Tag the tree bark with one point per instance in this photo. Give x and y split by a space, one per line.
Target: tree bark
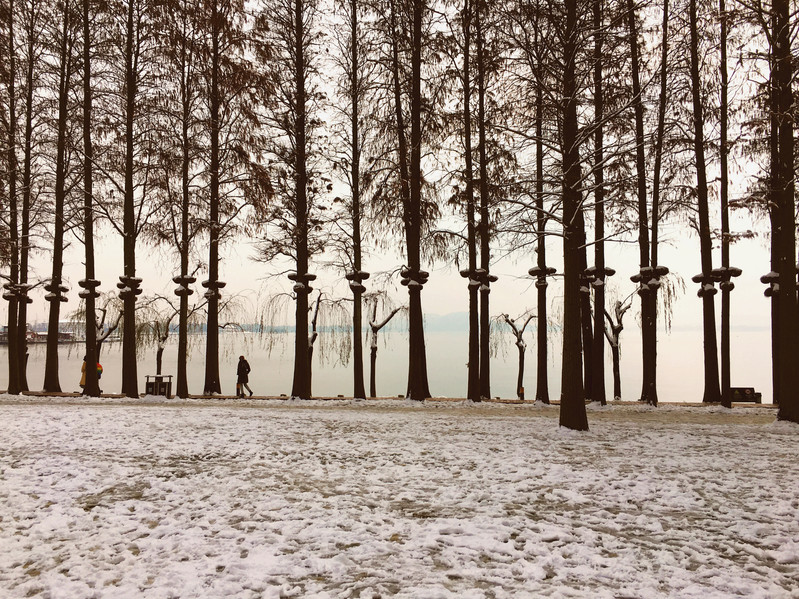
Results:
418 387
646 291
726 394
484 227
375 327
616 356
586 323
572 407
784 193
13 224
774 217
301 385
182 382
212 383
712 392
473 381
51 378
130 385
92 387
651 352
598 350
542 376
27 187
357 289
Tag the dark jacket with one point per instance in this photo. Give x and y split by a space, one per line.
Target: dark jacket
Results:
243 372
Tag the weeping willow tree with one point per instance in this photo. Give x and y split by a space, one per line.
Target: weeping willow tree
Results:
159 317
329 332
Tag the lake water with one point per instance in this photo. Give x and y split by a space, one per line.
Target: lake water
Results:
680 366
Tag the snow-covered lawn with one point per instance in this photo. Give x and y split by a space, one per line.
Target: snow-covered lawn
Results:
357 499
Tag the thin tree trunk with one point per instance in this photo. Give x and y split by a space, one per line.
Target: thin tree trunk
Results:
726 394
473 382
418 387
13 225
27 181
774 148
212 383
484 228
542 378
375 327
92 387
712 391
586 323
373 355
661 129
356 285
55 295
130 386
598 350
182 382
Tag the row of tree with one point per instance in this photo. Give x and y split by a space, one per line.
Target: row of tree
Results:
461 128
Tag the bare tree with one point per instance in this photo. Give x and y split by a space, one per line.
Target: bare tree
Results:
612 331
521 345
376 326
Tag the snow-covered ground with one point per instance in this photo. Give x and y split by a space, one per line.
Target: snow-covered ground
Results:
357 499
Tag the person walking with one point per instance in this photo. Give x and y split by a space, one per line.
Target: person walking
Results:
243 377
83 373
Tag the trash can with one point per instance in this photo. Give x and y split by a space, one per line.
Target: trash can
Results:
158 384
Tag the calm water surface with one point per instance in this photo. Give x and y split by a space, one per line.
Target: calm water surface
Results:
680 366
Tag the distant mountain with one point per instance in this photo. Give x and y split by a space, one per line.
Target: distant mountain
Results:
454 321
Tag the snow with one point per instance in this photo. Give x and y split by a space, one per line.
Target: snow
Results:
209 498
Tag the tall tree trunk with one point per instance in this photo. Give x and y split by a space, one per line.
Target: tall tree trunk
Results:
542 377
27 188
485 225
13 224
586 323
712 391
129 281
414 277
212 383
90 284
783 177
598 350
55 295
572 407
645 277
473 382
726 394
404 178
182 382
658 270
356 285
301 386
774 220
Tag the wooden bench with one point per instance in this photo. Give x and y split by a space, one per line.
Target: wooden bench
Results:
745 395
